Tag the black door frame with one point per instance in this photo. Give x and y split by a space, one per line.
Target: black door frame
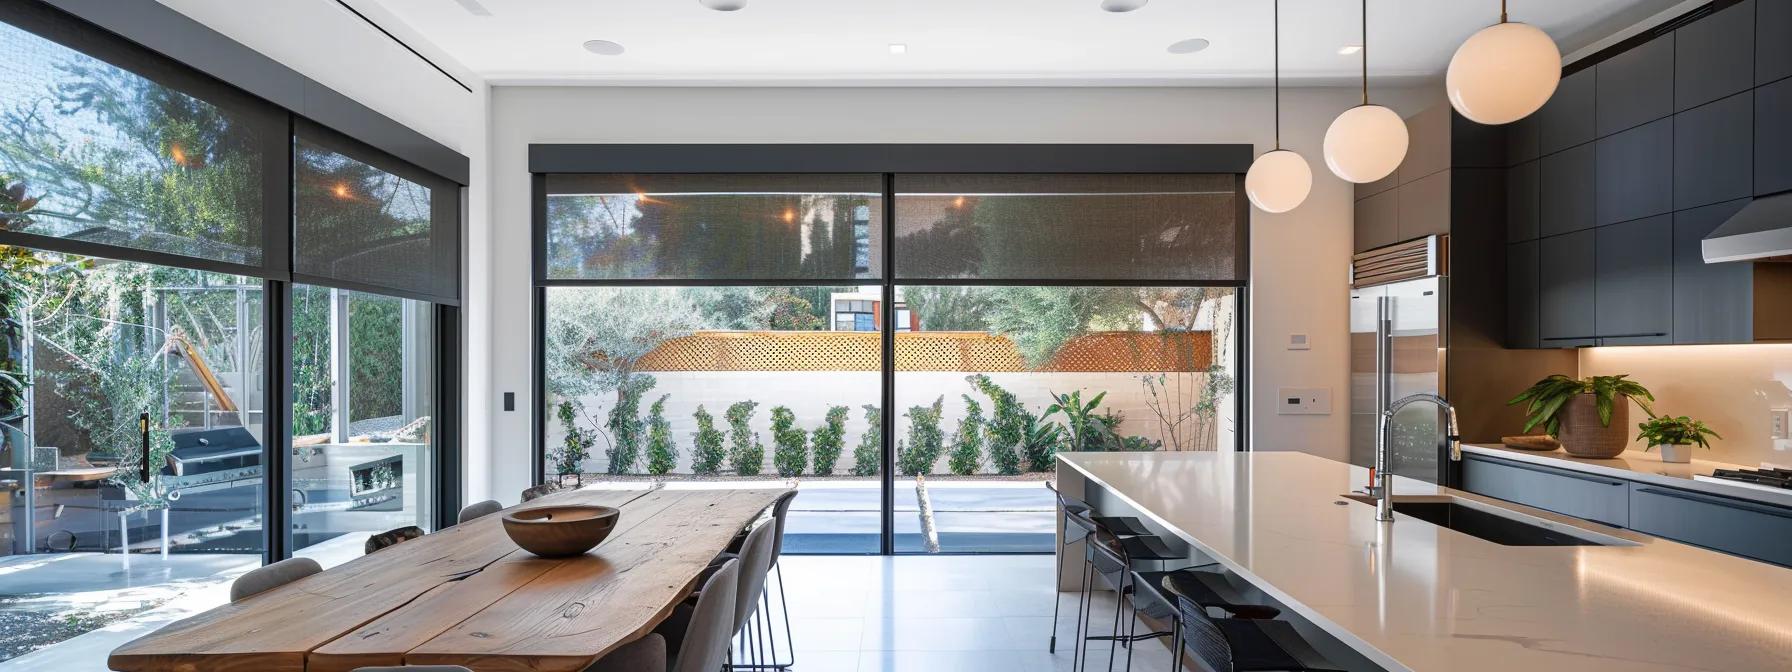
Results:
886 161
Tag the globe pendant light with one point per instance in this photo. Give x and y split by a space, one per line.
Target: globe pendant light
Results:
1279 180
1503 73
1366 142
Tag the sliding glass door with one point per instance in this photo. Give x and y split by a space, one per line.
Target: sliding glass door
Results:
703 329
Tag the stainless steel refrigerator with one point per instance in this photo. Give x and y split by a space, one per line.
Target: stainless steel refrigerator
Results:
1399 308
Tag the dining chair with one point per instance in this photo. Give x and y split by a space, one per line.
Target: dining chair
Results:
1244 645
695 638
478 509
755 564
780 513
647 654
542 490
413 668
272 576
391 538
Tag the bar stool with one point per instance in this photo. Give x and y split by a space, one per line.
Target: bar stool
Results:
1243 645
1078 514
1154 594
1111 557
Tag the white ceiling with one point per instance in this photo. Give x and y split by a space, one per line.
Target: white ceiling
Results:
974 41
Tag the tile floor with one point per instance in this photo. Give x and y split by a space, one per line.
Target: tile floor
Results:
938 614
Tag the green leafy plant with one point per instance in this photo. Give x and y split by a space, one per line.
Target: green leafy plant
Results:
575 448
707 450
1084 429
828 440
662 450
1007 425
915 456
867 456
626 428
745 453
967 443
1039 442
1545 399
790 451
1679 431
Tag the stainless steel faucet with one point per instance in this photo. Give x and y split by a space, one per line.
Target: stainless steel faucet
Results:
1384 476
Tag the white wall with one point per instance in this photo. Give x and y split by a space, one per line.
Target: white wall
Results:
322 40
1300 260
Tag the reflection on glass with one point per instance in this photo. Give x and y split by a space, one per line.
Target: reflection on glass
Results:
736 227
362 418
93 152
131 419
701 385
996 381
359 223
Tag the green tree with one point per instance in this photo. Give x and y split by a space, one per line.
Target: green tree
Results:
626 428
662 450
867 457
967 443
790 452
569 457
745 453
1039 442
790 312
829 440
1007 425
944 308
707 451
916 455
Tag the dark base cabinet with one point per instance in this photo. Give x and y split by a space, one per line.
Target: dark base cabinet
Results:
1734 526
1572 493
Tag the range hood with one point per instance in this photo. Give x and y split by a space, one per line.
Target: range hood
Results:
1762 231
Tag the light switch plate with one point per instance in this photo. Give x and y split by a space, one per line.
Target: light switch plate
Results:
1299 342
1304 401
1780 421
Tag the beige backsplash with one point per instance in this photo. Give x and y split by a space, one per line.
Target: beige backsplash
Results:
1731 387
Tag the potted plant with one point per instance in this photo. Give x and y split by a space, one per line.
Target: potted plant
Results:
1579 412
1675 436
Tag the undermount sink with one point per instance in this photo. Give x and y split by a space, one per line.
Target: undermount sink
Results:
1492 523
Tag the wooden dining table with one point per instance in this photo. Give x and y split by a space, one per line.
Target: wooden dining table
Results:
466 595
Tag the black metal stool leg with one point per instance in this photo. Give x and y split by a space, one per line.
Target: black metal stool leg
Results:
1084 604
1119 602
1053 646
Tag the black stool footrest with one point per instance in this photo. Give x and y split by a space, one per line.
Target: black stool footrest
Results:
1207 589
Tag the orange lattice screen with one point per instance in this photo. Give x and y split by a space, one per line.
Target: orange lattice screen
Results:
1114 351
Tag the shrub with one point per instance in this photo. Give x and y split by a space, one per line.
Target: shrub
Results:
662 450
1039 442
790 452
1007 425
707 451
868 455
828 440
745 452
967 442
576 447
626 428
916 455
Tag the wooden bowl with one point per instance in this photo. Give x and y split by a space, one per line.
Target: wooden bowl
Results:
560 531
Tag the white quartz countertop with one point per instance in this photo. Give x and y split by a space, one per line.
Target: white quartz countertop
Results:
1413 596
1641 466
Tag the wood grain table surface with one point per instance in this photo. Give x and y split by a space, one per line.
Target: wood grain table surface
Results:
466 595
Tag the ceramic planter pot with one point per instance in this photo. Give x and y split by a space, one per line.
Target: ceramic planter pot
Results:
1582 434
1679 453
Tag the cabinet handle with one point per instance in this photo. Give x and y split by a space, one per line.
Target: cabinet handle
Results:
1551 471
1719 501
1588 338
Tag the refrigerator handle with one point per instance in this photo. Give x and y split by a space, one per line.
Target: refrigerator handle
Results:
1384 308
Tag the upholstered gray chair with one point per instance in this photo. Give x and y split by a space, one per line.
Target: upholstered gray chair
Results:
695 638
780 513
390 538
755 564
478 509
542 490
414 668
647 654
272 576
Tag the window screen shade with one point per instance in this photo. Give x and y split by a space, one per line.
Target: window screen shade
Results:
1068 227
129 158
371 228
714 227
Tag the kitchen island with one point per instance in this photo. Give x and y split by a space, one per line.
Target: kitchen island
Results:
1410 595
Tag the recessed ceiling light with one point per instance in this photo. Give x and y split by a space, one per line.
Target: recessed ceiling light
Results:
1349 49
603 47
1189 46
723 5
1122 5
898 48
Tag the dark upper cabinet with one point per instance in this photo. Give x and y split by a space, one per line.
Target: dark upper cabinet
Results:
1634 279
1523 204
1521 295
1567 119
1635 173
1773 136
1377 220
1714 152
1773 51
1635 87
1523 140
1714 57
1713 303
1568 189
1566 295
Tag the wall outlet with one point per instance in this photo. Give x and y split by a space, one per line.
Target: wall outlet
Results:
1299 342
1304 401
1780 423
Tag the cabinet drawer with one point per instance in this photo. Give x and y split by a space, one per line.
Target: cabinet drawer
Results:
1740 527
1595 498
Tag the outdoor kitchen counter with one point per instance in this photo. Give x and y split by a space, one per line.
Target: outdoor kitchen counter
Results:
1409 595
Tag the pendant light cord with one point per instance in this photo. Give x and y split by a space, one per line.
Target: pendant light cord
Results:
1502 11
1366 51
1276 40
